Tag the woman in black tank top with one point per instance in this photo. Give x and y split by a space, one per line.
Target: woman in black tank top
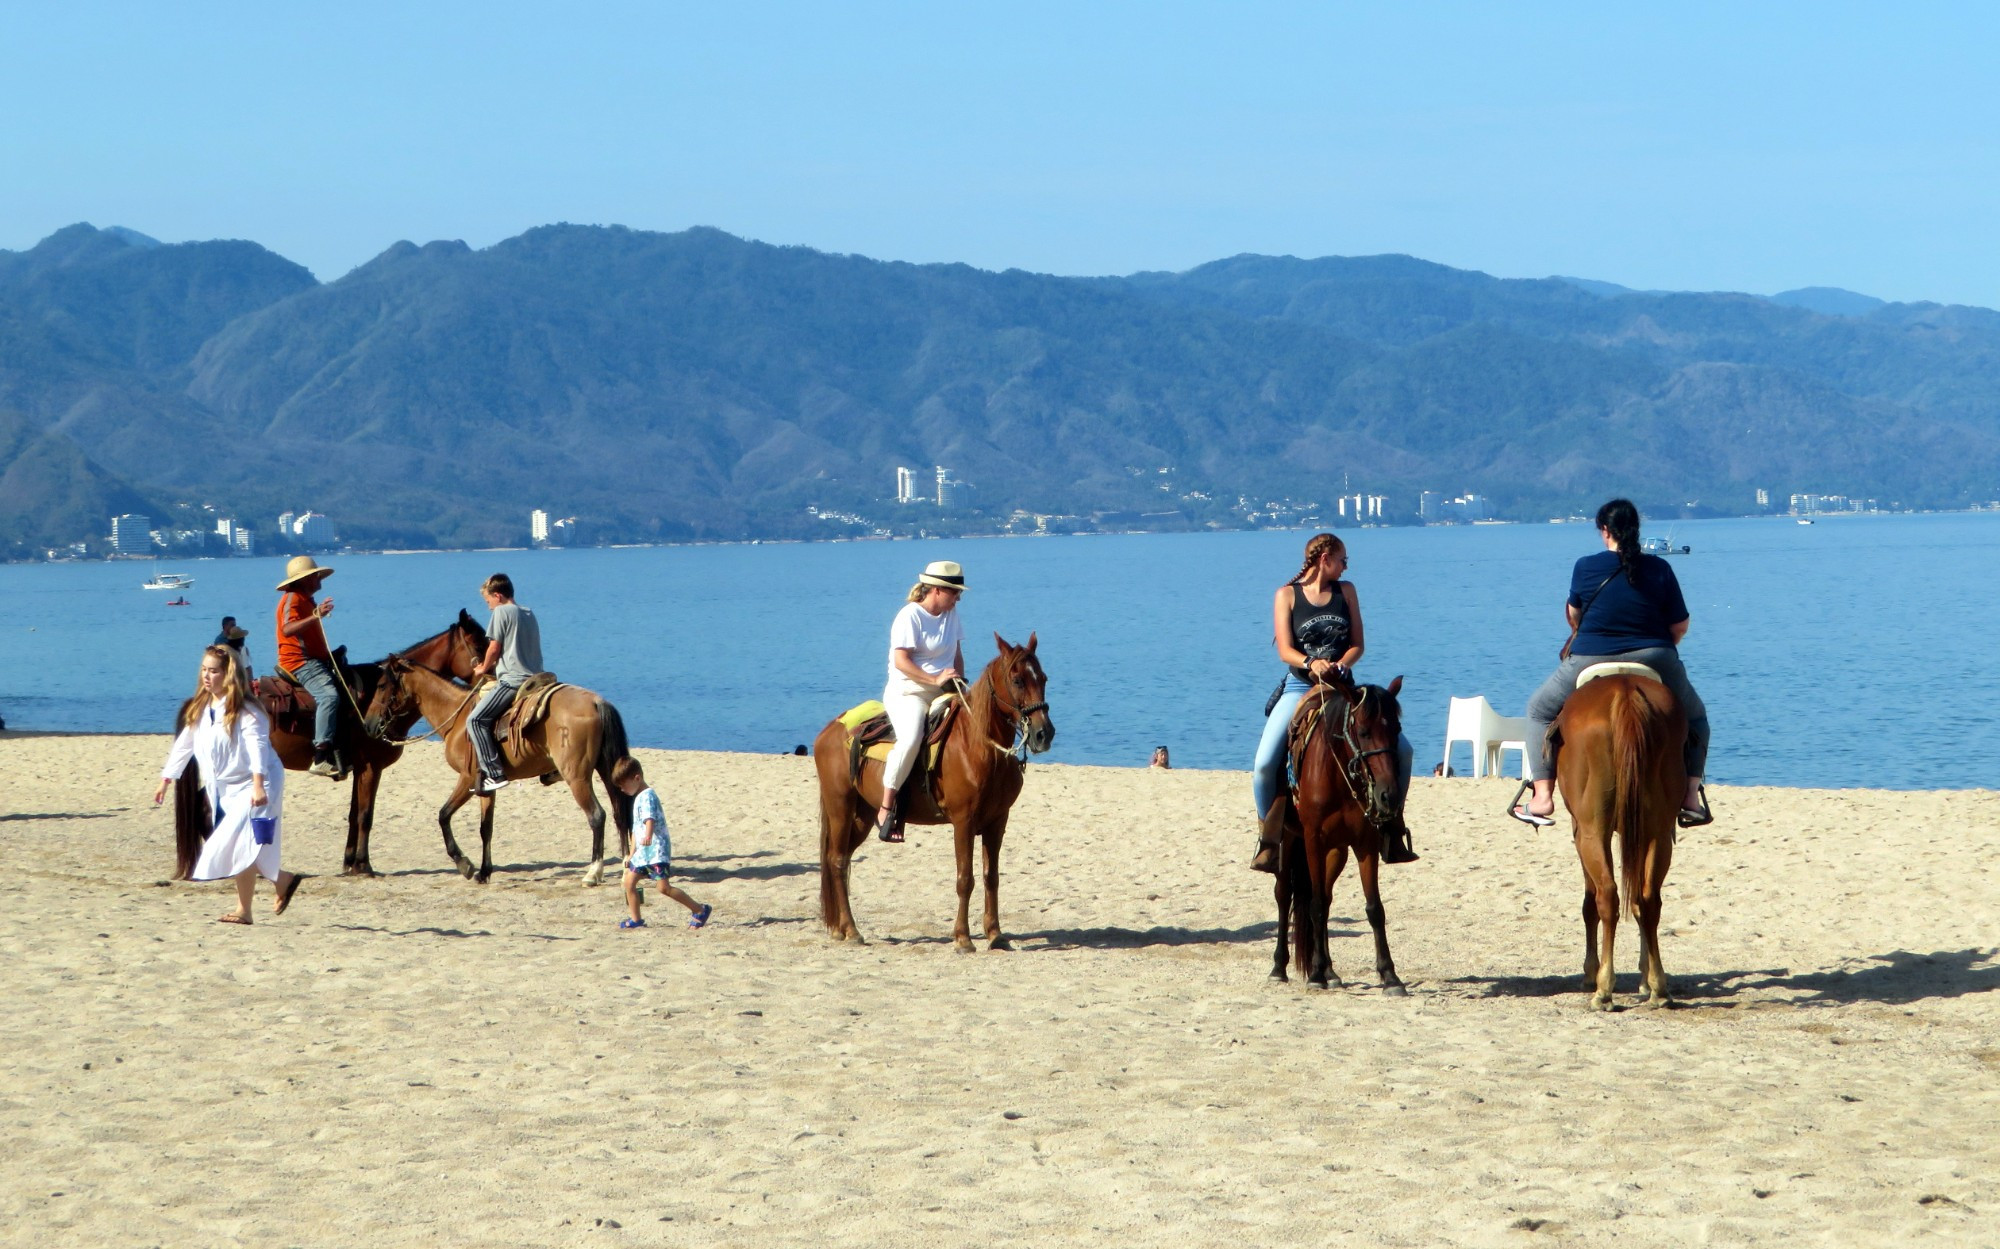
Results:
1316 627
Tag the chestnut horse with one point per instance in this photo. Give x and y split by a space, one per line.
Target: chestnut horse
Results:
1343 744
579 734
978 778
1619 766
456 650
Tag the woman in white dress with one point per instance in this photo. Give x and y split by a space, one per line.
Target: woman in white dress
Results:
225 734
925 660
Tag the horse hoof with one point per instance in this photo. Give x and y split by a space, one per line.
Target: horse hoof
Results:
1317 986
1000 943
1280 976
360 869
1603 1002
964 946
466 869
1395 990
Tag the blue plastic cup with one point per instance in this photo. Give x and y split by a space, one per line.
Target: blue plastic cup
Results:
264 829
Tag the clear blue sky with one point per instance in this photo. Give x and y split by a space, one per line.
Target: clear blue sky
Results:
1730 146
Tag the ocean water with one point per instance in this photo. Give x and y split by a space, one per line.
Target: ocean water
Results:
1855 652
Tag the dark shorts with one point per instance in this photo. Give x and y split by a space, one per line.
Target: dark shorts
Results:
650 871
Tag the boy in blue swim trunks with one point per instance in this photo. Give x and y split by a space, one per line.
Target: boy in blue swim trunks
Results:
652 856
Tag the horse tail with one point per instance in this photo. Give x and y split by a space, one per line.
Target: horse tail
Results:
611 747
1636 736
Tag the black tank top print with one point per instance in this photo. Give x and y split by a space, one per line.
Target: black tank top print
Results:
1321 632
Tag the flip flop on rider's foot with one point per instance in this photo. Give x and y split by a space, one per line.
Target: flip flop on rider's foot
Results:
1521 812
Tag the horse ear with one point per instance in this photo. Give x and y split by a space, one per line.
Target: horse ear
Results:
1394 686
1031 642
1001 642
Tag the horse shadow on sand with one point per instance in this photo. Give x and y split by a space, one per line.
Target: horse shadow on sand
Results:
1898 978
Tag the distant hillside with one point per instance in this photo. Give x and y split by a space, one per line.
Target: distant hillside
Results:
665 386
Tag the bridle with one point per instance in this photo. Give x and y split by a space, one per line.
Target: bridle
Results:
1018 716
1354 768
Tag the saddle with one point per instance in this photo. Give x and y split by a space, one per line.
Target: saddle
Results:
291 704
530 707
1615 668
871 736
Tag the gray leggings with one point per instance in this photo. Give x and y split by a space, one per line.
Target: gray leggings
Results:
1547 703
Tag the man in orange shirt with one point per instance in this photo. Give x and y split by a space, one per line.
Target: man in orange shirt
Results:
304 657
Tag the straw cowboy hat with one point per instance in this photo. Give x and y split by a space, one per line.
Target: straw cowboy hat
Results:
943 572
302 566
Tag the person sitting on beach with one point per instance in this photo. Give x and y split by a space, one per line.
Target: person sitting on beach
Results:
1316 626
926 659
1623 605
652 851
513 654
304 656
225 734
1160 758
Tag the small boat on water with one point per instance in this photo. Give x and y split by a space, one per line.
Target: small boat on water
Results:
1663 546
179 602
169 581
1805 520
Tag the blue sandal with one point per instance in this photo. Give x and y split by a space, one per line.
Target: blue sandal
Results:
631 923
701 917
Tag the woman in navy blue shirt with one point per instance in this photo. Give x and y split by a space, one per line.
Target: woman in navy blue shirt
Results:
1625 605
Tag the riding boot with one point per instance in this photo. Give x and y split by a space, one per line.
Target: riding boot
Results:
1269 837
1396 843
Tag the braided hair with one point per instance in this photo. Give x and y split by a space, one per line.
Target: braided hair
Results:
1319 544
1620 519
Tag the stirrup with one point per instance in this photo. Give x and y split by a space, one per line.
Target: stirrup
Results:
1518 810
1695 817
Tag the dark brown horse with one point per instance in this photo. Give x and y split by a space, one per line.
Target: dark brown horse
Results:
978 778
1343 744
456 650
1619 766
580 734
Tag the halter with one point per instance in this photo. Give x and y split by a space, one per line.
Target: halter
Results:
1353 769
461 641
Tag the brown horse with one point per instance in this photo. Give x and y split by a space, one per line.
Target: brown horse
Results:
1619 767
456 650
977 780
580 734
1343 743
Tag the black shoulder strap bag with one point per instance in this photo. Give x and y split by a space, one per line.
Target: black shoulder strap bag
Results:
1578 626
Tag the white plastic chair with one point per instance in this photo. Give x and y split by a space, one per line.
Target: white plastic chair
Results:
1474 722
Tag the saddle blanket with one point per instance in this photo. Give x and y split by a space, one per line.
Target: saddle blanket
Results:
871 736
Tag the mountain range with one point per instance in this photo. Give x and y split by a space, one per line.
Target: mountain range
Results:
696 385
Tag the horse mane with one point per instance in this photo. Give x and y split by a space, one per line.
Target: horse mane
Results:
979 700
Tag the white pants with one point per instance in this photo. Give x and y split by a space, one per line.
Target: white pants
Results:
909 704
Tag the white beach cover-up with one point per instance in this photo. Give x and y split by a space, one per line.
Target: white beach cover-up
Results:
227 760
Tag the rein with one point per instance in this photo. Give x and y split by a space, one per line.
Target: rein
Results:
1018 749
1356 762
436 730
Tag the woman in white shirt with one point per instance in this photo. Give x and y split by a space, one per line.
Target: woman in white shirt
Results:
225 734
925 660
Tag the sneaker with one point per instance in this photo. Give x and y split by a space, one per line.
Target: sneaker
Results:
701 917
323 766
489 785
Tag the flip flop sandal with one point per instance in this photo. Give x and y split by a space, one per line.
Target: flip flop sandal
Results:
285 894
1695 817
232 919
1519 810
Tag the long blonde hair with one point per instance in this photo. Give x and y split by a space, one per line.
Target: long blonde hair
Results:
235 689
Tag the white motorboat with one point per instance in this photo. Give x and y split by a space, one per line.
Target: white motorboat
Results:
169 581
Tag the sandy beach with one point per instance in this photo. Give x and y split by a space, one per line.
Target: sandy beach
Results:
418 1060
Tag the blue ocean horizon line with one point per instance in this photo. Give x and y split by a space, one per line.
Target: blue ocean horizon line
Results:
1149 639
